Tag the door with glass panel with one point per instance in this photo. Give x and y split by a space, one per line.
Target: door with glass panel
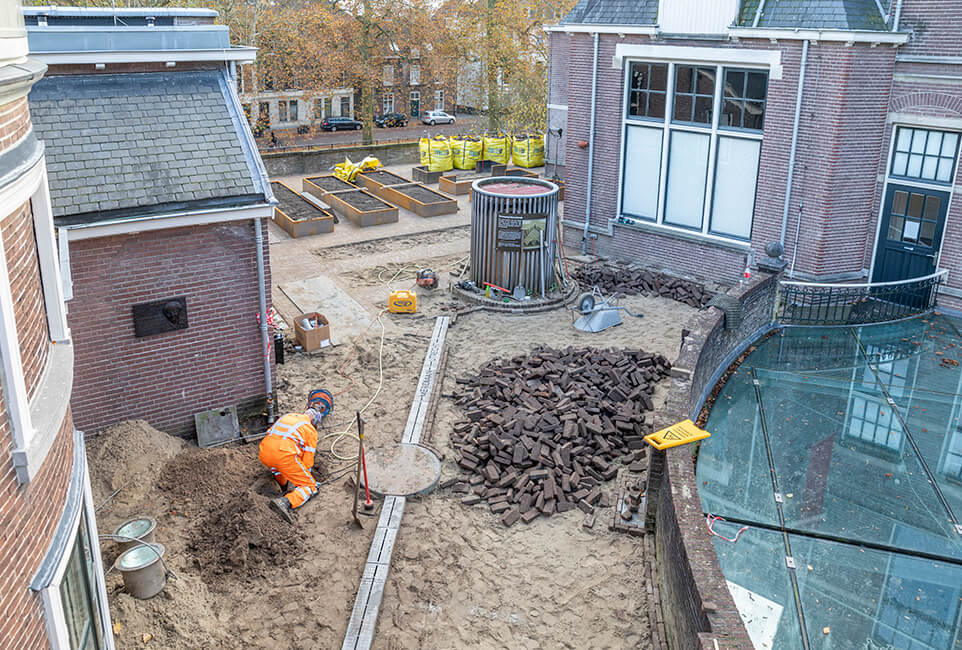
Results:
913 219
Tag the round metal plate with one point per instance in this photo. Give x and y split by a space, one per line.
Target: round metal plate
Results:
402 470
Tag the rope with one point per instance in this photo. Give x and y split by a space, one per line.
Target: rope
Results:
710 520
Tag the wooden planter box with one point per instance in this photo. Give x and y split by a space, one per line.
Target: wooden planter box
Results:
458 184
375 181
419 199
421 174
321 185
520 171
490 168
298 216
374 213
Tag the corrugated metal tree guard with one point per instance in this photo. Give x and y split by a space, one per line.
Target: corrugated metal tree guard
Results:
506 214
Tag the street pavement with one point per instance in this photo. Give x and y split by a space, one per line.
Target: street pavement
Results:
287 138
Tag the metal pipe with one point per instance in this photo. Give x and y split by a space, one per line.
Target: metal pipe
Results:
262 307
758 13
898 16
794 148
591 147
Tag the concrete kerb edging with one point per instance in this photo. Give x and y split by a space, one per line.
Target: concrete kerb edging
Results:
367 603
699 610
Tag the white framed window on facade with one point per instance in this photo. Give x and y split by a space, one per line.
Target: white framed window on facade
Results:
692 145
439 100
924 155
415 74
387 75
387 103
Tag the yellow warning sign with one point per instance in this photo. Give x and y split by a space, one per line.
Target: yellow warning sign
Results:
675 435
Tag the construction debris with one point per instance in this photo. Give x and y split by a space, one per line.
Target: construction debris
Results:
630 281
543 432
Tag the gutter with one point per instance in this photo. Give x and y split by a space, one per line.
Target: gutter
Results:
591 147
242 54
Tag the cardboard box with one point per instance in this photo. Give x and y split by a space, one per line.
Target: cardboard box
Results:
312 339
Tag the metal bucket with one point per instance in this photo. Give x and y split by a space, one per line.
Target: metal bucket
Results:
139 528
144 573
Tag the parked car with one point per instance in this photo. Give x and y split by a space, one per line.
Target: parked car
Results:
339 124
437 117
391 119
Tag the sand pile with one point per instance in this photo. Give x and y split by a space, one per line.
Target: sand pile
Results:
127 457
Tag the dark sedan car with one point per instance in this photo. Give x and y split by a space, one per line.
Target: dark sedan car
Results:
391 119
339 124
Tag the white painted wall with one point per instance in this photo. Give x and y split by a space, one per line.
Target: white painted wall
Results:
696 16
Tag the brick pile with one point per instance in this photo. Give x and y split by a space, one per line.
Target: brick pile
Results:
543 432
615 279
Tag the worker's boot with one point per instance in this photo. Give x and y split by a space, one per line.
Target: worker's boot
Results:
283 508
284 487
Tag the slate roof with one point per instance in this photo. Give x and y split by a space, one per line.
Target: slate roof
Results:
124 144
613 12
815 14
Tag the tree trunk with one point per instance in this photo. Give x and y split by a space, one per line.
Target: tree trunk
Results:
491 72
367 83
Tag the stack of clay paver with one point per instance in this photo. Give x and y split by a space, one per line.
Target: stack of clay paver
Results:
614 279
543 432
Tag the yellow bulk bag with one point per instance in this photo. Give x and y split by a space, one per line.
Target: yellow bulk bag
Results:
346 170
369 163
527 150
465 151
497 148
424 146
440 155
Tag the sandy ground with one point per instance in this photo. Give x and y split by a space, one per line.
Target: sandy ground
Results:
458 577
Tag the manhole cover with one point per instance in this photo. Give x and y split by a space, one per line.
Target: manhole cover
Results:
403 470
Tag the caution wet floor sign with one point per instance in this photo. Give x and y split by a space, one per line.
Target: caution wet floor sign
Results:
677 434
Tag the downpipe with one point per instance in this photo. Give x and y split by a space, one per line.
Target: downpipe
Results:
794 146
591 147
262 307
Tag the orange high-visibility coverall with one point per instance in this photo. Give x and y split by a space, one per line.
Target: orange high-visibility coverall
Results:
288 452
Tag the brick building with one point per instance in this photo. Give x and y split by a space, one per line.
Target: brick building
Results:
161 202
829 126
402 88
51 579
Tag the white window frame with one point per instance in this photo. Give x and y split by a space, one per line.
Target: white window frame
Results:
57 633
30 419
668 126
387 103
387 74
439 100
414 74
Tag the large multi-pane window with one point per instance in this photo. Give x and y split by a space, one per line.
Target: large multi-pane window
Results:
924 155
692 146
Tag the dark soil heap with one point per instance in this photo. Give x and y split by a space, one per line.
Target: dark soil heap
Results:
544 431
616 279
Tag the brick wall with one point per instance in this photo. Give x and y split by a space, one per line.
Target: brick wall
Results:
165 378
697 605
23 268
934 25
28 518
14 122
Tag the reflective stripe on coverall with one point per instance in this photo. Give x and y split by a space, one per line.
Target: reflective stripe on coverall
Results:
288 452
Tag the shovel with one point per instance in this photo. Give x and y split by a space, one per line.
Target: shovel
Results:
519 292
357 478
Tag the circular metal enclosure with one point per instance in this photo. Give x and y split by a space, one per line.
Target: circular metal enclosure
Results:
514 233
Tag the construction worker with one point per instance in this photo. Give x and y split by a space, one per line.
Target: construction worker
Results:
288 452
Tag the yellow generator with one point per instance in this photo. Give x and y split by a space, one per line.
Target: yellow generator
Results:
403 302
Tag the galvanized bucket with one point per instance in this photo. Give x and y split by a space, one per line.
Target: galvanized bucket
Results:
138 528
144 573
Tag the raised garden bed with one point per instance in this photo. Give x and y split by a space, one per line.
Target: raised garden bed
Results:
458 184
298 216
362 207
421 174
320 185
375 181
490 168
520 171
419 199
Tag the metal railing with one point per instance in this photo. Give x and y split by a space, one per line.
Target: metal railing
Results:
811 303
264 146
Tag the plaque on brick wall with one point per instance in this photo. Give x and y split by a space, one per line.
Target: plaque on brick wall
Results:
160 316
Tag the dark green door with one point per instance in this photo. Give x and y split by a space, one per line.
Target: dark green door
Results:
911 233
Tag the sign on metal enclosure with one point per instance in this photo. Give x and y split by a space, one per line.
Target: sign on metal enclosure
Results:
517 232
677 434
